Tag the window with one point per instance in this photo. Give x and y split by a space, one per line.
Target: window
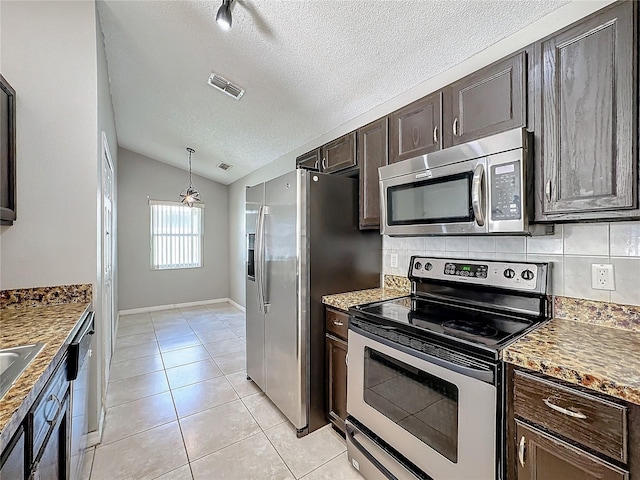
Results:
176 235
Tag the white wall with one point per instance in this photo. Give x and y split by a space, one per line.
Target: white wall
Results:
49 57
545 26
140 178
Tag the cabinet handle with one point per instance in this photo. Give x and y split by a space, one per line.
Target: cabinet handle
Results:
547 190
324 164
456 132
346 359
553 406
317 165
521 451
35 472
338 323
55 417
435 134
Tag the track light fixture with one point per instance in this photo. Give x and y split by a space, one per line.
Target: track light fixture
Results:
223 18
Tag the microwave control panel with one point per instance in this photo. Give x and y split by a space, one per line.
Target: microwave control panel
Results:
506 192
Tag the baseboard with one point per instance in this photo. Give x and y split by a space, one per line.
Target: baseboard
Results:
157 308
95 437
237 305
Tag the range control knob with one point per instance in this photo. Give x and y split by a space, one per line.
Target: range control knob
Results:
417 265
509 273
428 266
527 275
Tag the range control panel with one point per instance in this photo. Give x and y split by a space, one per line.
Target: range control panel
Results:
514 275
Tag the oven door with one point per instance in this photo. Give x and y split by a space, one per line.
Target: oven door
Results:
447 199
434 413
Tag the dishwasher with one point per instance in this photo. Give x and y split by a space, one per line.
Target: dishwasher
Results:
78 374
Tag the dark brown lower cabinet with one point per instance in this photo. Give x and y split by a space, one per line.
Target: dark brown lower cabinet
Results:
53 461
337 380
541 456
12 465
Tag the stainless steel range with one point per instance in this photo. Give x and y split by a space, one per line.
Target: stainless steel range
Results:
425 379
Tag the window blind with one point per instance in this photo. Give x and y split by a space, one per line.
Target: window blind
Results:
177 233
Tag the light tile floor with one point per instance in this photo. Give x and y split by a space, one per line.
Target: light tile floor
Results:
179 407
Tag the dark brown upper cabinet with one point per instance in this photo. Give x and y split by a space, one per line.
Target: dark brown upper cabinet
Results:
416 129
339 154
310 160
488 101
587 119
373 153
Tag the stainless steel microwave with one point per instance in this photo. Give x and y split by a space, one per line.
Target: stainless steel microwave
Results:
480 187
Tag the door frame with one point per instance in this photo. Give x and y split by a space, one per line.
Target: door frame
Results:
110 324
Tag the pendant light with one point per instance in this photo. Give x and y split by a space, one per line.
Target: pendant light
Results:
223 18
189 195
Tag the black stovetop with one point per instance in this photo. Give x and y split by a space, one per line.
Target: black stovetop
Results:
449 324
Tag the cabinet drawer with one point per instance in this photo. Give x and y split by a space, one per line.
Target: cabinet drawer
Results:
591 421
337 323
49 407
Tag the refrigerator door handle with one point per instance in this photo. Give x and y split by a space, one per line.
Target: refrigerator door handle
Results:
260 265
259 253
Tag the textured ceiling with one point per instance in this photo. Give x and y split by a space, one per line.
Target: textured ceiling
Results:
307 67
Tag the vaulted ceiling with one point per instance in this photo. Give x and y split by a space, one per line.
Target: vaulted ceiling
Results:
307 67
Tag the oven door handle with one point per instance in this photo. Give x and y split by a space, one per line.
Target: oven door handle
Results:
484 375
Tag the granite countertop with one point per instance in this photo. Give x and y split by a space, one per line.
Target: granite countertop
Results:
344 301
602 358
53 325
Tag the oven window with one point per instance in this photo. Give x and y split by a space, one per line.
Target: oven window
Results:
446 199
423 404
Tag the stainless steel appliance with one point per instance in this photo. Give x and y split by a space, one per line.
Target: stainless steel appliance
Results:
481 187
303 242
78 374
425 380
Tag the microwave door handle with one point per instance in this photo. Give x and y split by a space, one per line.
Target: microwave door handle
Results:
478 194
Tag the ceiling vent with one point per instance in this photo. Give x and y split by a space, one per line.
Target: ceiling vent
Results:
225 86
224 166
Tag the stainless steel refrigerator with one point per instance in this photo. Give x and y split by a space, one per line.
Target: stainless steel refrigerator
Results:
303 242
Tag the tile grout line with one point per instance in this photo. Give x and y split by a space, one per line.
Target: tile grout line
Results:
320 466
175 409
273 446
170 389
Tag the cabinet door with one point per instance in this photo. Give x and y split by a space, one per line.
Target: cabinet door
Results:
53 463
310 160
373 152
416 129
13 461
588 97
543 457
339 154
337 371
489 101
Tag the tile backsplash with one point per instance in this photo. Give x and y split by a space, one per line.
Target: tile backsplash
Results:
571 249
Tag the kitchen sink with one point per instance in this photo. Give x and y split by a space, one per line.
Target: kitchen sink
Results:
13 361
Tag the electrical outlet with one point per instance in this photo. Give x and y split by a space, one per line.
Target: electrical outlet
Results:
394 260
602 277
